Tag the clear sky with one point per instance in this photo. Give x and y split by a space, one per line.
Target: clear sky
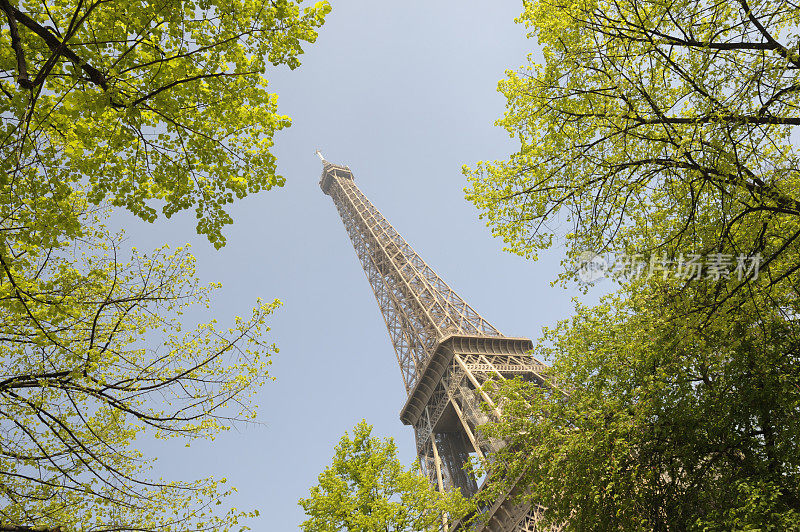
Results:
404 93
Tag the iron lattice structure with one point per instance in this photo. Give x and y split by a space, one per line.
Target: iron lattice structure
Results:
446 351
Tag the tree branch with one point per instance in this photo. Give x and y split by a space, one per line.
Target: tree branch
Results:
58 47
16 45
16 528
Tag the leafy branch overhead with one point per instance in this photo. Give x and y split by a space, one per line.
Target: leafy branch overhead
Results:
658 129
648 108
148 106
155 105
83 375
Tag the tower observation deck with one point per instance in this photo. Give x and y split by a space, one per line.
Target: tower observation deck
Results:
445 349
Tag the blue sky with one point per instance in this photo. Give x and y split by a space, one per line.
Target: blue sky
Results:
404 93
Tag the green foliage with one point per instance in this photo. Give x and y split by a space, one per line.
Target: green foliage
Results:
154 105
367 489
93 354
654 125
657 424
147 106
659 129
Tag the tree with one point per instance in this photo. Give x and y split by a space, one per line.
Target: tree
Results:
653 128
659 132
145 106
94 355
366 488
654 426
150 104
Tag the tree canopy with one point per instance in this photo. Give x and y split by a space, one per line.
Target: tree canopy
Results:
659 133
652 126
367 489
94 354
145 106
149 105
656 426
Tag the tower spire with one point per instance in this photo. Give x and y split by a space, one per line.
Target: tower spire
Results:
446 351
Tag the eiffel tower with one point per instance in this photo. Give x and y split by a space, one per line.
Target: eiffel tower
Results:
445 349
